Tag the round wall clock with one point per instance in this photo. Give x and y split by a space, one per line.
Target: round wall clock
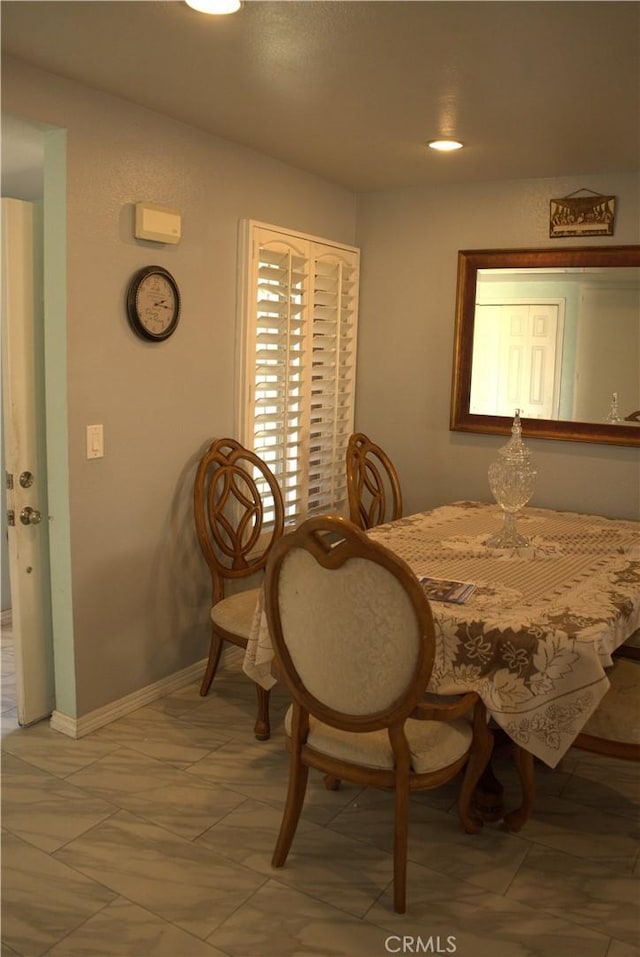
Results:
153 303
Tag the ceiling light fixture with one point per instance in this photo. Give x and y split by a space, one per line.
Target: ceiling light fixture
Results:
445 146
215 7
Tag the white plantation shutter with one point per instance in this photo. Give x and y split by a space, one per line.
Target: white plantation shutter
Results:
300 354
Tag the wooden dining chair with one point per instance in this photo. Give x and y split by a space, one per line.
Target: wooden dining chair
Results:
239 515
373 486
354 638
614 727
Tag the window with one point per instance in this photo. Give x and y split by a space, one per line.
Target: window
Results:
299 362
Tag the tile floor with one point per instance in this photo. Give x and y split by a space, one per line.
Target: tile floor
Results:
152 838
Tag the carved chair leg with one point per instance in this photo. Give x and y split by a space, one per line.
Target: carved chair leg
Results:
262 728
488 798
298 775
212 664
524 761
400 842
477 765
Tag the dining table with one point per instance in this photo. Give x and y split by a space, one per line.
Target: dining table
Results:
536 634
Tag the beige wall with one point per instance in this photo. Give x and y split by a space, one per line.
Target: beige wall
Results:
410 240
140 593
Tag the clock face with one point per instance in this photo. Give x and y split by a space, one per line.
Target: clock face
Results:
153 303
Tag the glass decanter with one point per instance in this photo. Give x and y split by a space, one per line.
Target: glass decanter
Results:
613 414
512 480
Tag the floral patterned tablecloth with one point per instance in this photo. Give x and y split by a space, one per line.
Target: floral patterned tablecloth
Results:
537 633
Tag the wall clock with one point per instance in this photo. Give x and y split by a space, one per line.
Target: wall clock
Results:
153 303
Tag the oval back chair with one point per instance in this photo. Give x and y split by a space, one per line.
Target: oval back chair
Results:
354 639
373 486
239 515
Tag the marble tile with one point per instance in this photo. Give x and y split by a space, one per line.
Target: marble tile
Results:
7 662
619 948
178 702
227 689
52 751
327 866
280 921
260 770
187 810
123 929
248 834
483 924
123 773
43 900
582 891
235 714
8 700
183 883
9 951
489 859
569 826
230 706
233 719
44 810
9 713
605 783
158 735
160 830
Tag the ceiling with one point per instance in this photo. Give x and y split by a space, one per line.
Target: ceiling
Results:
352 91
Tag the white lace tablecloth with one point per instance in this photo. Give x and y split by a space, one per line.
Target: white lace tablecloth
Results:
535 637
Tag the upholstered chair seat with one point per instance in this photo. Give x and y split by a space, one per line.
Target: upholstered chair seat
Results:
432 745
354 639
235 614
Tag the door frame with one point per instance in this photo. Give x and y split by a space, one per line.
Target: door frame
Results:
53 407
57 431
25 457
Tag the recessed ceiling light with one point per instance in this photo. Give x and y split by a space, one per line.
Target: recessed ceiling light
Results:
215 7
445 146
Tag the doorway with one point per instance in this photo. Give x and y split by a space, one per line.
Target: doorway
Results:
34 169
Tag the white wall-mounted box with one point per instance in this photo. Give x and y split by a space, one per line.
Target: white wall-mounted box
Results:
158 223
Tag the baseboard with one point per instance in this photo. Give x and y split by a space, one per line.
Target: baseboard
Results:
78 727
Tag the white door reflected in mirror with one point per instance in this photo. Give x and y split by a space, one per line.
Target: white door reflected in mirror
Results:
517 358
556 343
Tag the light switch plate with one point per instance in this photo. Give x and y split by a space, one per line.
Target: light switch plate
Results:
95 441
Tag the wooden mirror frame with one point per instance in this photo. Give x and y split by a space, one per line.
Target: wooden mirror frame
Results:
469 262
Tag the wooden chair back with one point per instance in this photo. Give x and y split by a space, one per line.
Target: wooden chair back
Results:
238 512
354 640
357 644
373 486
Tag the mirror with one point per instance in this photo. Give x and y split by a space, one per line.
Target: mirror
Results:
554 332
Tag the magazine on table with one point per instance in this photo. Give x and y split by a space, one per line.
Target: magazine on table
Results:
445 589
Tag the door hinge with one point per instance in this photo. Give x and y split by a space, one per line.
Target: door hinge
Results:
9 479
11 517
